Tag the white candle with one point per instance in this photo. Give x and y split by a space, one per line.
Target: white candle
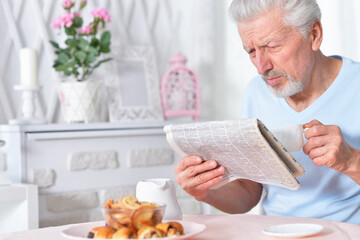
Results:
28 67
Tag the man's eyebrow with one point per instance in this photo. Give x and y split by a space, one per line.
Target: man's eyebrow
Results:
248 49
265 43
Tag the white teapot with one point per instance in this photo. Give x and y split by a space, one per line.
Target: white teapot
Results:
161 190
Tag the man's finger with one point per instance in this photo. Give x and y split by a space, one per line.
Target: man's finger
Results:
312 123
185 162
206 179
194 170
317 152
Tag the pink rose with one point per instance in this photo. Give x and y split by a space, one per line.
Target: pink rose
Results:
57 23
101 13
68 4
86 30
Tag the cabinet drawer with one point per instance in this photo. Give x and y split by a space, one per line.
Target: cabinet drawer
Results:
52 150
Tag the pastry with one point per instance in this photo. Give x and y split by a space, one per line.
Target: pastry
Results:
118 220
109 203
128 202
150 204
125 233
101 232
171 229
149 232
145 216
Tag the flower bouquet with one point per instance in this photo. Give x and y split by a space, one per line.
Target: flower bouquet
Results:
78 58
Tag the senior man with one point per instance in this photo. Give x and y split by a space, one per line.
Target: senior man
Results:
297 84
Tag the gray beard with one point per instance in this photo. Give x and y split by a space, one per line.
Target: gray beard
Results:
293 87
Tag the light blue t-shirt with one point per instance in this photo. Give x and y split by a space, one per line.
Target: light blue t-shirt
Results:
324 193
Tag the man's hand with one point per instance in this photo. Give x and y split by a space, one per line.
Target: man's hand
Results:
326 146
196 176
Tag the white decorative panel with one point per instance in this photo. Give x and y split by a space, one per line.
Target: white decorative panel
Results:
78 161
43 177
166 25
150 157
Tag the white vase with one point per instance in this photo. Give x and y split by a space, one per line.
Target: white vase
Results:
79 101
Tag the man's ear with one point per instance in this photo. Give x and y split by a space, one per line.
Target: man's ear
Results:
316 35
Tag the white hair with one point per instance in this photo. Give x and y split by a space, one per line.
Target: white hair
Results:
300 14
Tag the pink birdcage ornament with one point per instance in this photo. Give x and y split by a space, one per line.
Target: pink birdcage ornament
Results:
180 90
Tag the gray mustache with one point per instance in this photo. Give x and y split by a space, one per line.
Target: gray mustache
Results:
273 74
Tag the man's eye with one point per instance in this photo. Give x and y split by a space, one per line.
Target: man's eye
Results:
251 52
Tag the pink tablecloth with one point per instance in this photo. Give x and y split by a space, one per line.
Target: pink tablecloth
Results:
249 227
223 227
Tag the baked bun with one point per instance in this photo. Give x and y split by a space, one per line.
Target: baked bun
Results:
125 233
150 232
101 232
171 229
145 216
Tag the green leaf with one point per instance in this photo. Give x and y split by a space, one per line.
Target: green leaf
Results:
78 22
70 42
54 44
80 55
83 44
105 38
63 58
60 68
71 64
105 49
94 42
91 58
67 73
101 62
94 51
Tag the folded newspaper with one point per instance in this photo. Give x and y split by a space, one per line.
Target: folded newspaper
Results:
245 147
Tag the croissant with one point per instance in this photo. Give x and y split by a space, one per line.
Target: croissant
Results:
101 232
171 229
125 233
150 232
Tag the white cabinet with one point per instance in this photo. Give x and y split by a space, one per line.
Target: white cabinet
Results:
18 207
78 158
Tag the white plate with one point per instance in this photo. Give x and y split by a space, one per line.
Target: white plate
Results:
293 230
81 231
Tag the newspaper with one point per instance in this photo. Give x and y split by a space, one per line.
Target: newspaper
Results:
241 146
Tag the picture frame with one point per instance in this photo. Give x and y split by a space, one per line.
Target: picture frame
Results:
133 85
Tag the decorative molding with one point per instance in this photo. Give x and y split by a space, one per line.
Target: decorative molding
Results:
43 177
66 202
78 161
150 157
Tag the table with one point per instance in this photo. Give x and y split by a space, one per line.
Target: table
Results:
226 227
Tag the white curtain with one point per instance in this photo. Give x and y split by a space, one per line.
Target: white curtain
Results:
341 26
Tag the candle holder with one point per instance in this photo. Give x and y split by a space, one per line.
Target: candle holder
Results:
29 95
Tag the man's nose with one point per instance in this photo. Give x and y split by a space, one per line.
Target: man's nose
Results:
263 62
